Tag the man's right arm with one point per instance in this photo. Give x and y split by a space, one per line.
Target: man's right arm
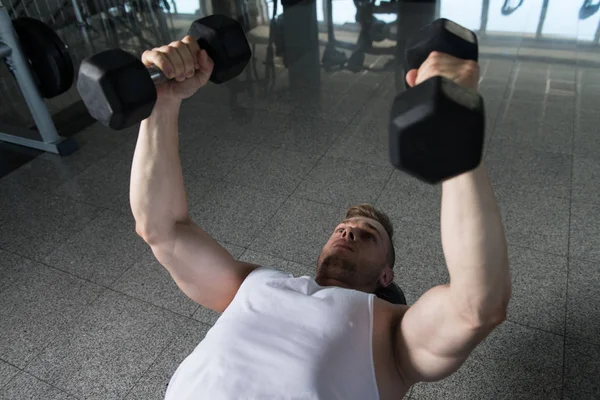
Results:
199 265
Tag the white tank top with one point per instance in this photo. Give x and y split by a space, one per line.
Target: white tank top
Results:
284 338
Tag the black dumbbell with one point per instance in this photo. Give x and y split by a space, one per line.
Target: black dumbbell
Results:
436 128
119 91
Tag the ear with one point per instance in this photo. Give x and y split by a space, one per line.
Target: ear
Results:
387 277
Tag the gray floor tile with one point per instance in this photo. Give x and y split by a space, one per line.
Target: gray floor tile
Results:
538 290
211 99
48 171
37 307
13 200
211 157
12 267
106 351
586 179
235 251
101 184
344 81
420 263
122 205
493 91
376 112
585 231
196 186
530 125
253 126
102 251
343 182
298 231
234 213
562 73
39 223
272 170
353 145
529 91
206 315
306 134
340 106
557 129
27 387
408 199
7 372
587 140
196 115
583 306
148 280
533 221
588 85
499 69
46 174
514 167
153 384
589 97
514 362
582 368
346 108
277 263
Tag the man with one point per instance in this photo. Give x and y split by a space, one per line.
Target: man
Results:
285 337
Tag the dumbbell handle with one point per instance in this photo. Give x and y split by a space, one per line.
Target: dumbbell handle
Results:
157 76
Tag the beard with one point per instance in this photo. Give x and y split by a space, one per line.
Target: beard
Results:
334 266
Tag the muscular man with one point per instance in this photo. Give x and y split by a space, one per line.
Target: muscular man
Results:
285 337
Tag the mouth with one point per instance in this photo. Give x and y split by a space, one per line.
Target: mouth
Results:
343 246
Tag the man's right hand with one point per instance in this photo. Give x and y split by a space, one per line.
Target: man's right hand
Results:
188 67
463 72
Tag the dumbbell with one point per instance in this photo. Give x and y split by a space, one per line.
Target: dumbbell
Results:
436 128
119 91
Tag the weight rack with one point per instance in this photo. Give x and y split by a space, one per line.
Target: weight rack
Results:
46 137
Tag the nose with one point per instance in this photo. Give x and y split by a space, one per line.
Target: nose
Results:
348 233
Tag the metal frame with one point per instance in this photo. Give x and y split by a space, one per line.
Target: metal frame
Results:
50 141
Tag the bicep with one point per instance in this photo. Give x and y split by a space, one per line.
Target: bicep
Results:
434 339
203 269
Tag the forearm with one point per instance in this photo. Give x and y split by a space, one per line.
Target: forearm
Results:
474 244
157 192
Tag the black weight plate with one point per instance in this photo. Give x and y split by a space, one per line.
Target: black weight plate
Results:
48 56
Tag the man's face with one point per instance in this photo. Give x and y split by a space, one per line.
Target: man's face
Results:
356 256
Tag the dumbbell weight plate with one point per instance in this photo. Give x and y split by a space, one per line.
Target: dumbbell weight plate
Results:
230 51
444 36
49 59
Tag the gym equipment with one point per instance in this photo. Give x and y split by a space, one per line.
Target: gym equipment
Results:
588 9
508 9
27 66
333 59
356 61
392 294
436 128
119 91
48 56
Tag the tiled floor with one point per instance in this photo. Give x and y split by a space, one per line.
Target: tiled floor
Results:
87 313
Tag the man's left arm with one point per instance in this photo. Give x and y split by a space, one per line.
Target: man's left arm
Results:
437 334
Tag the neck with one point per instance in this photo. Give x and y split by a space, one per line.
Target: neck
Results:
326 281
